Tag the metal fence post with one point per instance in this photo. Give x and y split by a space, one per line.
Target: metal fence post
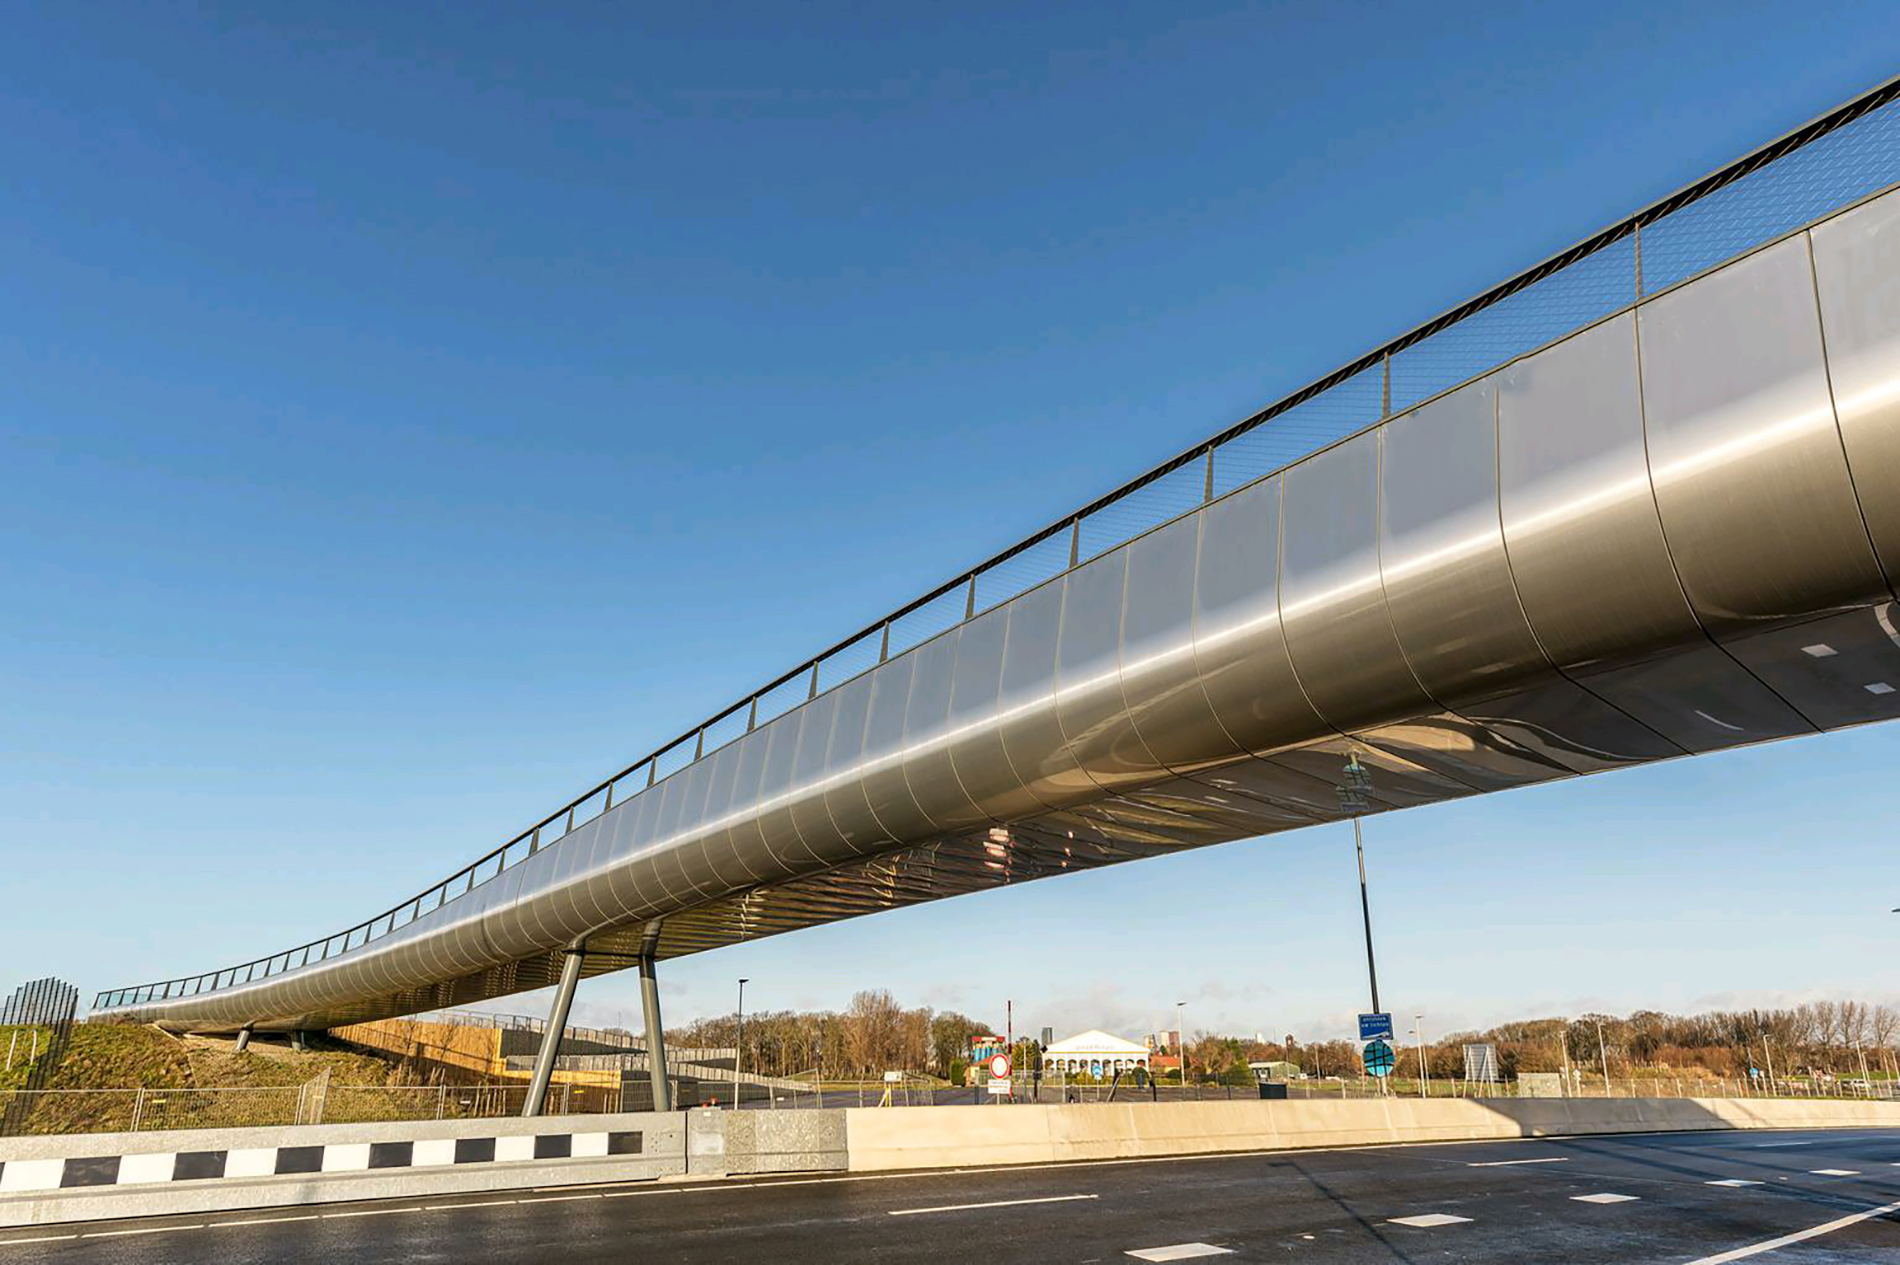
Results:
138 1110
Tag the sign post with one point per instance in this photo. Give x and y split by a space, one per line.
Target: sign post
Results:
999 1068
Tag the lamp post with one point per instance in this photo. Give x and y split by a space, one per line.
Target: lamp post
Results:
1424 1073
1356 781
738 1049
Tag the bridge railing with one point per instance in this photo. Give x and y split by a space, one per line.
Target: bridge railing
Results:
1831 162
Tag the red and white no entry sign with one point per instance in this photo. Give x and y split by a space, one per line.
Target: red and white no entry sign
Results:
999 1067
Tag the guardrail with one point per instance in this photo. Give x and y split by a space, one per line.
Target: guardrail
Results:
1845 155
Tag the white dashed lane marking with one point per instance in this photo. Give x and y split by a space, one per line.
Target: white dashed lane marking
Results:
1178 1252
1815 1232
1732 1181
1835 1172
1554 1159
998 1203
1604 1198
1428 1220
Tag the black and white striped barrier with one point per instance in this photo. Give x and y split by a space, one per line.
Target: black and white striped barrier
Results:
88 1177
22 1176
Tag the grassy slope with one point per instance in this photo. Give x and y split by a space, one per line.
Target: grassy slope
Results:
120 1057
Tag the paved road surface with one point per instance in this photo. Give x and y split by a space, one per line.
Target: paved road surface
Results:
1591 1200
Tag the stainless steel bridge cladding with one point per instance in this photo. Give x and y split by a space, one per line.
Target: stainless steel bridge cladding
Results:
1632 523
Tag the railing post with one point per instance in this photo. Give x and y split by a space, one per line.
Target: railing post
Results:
138 1110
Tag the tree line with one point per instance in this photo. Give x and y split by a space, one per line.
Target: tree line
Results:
874 1034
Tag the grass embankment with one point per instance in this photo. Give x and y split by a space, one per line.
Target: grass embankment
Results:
21 1048
191 1083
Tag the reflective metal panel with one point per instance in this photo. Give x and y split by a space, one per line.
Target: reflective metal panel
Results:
1739 418
809 814
1586 546
1700 699
1088 677
1031 736
782 842
1857 270
721 779
930 741
748 844
1331 600
980 765
883 773
1840 670
1161 682
1567 725
844 791
1441 549
1238 643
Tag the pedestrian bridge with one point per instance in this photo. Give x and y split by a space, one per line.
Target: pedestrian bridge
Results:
1642 501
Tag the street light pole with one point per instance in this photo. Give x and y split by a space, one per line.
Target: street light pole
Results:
1424 1072
738 1049
1353 800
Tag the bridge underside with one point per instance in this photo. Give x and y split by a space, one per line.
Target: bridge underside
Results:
1675 531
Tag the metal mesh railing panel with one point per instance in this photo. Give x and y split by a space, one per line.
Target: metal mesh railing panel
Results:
1305 428
1170 496
1847 164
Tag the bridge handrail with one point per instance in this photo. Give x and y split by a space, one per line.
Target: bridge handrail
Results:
1714 219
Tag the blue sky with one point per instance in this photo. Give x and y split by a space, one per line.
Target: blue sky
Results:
412 414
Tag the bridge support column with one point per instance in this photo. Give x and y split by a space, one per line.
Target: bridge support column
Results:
656 1032
557 1024
244 1038
300 1041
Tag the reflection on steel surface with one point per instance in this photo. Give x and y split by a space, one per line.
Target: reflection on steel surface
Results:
1652 538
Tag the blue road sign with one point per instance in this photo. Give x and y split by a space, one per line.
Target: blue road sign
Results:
1379 1059
1375 1027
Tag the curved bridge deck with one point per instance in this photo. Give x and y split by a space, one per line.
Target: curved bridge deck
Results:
1665 521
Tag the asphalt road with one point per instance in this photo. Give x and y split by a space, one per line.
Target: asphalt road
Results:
1646 1199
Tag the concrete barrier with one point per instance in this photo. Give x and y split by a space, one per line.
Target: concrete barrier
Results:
85 1177
958 1137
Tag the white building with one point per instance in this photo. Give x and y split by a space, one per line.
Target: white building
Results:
1096 1053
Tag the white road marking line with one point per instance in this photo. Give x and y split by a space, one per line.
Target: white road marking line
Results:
219 1225
1755 1249
1553 1159
1427 1220
44 1238
1178 1252
487 1203
998 1203
157 1229
629 1194
368 1212
1732 1181
1835 1172
1604 1198
556 1199
1762 1146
